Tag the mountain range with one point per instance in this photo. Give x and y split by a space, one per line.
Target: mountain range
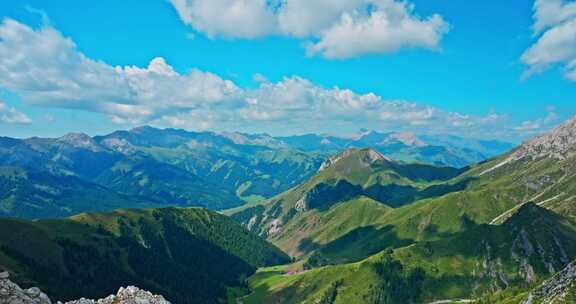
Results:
440 150
303 226
487 232
148 167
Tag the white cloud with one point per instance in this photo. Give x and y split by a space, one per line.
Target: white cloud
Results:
47 69
556 45
228 18
332 28
386 29
10 115
44 68
549 13
305 18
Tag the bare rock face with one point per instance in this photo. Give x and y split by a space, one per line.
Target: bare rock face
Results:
559 143
128 295
10 293
80 140
555 289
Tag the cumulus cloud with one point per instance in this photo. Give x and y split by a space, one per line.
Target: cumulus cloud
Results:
549 13
555 29
10 115
45 68
388 28
332 28
228 18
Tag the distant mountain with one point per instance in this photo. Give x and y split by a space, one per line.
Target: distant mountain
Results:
442 150
148 167
188 255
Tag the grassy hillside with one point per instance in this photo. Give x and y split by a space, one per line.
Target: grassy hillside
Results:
242 164
31 194
188 255
490 197
492 232
483 259
488 193
353 190
165 184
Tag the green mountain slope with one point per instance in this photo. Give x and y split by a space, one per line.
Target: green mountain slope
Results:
30 194
247 165
483 259
347 187
165 184
188 255
507 226
493 192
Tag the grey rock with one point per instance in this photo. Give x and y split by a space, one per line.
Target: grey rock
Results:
33 292
10 293
128 295
554 290
559 143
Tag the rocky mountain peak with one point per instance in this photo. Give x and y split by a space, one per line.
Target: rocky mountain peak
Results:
79 140
560 143
409 139
367 157
118 144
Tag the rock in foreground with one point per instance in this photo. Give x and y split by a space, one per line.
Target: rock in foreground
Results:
11 293
128 295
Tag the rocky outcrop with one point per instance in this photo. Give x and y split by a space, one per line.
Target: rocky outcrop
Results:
555 289
559 143
128 295
11 293
80 140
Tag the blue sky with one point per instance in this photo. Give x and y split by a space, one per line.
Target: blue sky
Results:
474 71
